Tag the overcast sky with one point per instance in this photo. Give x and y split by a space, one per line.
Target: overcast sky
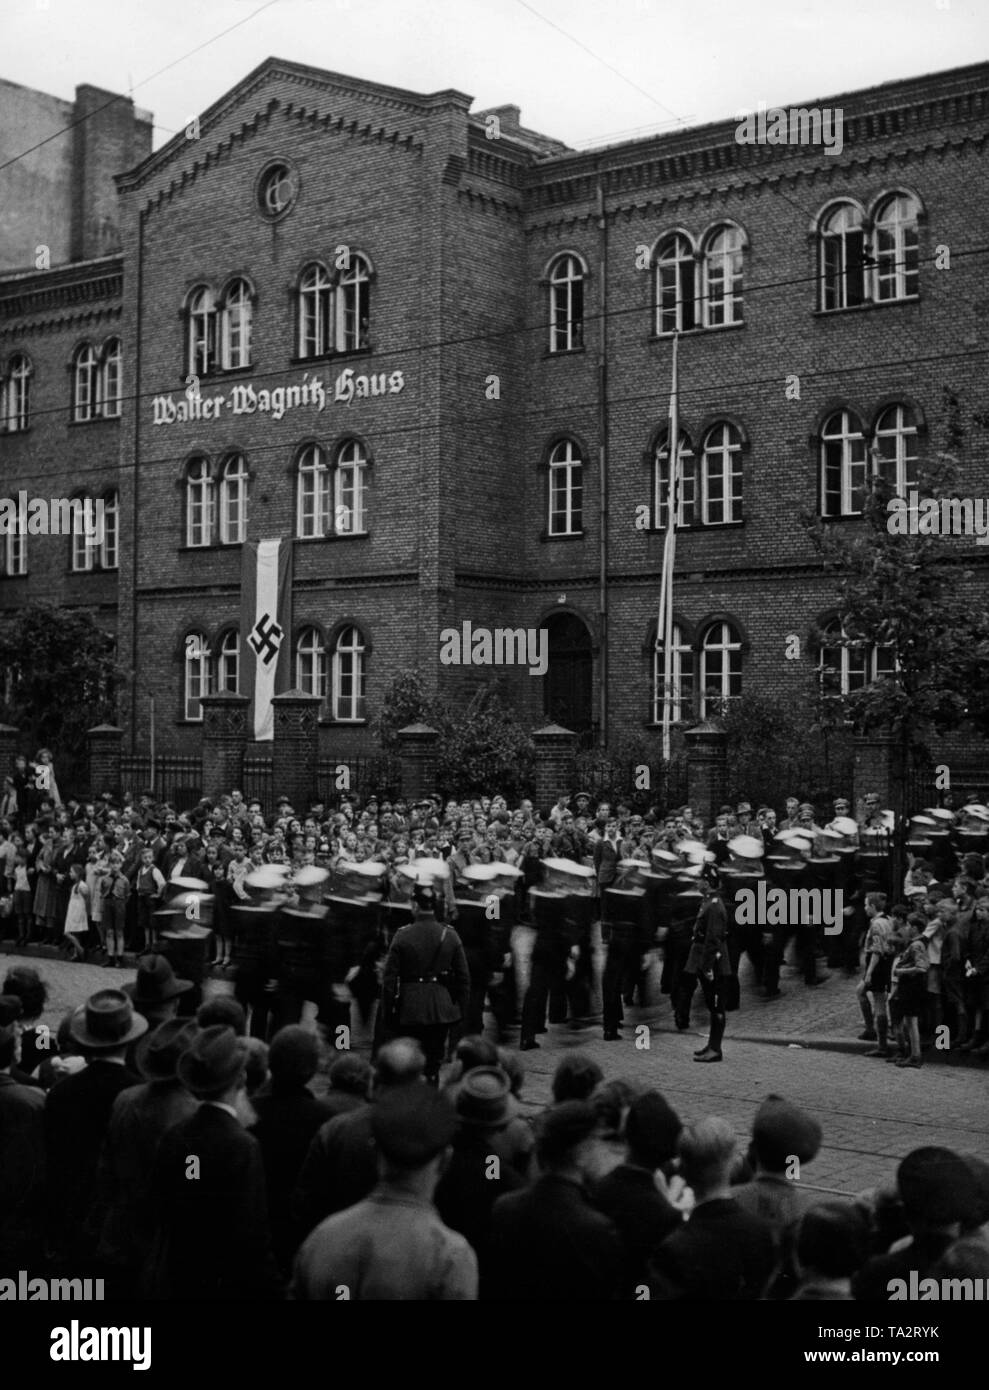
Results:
619 68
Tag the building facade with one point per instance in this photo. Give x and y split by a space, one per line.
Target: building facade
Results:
429 351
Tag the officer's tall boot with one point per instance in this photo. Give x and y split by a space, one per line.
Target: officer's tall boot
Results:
712 1053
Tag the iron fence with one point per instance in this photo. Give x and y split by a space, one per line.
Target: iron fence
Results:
176 778
362 777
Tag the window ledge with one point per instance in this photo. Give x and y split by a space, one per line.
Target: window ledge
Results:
654 337
95 420
333 536
213 545
549 353
563 536
698 527
342 354
869 304
7 433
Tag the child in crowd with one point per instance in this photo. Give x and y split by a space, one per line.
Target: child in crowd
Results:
908 991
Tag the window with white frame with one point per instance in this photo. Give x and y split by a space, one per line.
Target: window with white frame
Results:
198 503
843 258
13 554
895 448
233 500
843 465
196 674
110 544
681 677
310 663
566 304
348 489
314 494
721 668
85 548
201 330
15 394
228 662
721 476
566 489
845 667
896 250
235 326
111 379
85 384
675 269
348 676
687 504
723 277
353 296
315 311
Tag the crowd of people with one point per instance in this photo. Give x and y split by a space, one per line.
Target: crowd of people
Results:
322 1170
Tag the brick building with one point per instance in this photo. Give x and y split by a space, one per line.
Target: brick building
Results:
430 352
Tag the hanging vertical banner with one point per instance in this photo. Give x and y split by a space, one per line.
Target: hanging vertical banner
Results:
266 622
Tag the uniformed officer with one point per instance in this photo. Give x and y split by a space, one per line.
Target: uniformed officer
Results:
426 984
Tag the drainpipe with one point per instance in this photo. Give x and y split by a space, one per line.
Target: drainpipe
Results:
136 472
603 466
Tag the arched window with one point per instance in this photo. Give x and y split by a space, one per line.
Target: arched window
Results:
842 252
313 509
310 663
228 662
111 379
198 503
721 476
85 384
687 508
353 292
15 394
315 311
846 667
109 546
895 448
201 314
233 500
196 655
682 678
721 668
235 326
723 277
348 676
675 284
566 304
566 490
843 465
896 248
348 485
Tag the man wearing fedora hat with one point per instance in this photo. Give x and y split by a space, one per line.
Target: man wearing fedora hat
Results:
212 1240
156 991
77 1115
471 1184
140 1116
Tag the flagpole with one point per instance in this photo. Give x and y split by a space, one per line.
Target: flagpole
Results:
669 553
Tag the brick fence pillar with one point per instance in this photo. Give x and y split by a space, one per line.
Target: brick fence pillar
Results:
296 749
104 743
224 739
707 769
11 744
418 751
555 749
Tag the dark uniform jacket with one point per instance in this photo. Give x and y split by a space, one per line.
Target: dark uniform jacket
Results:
709 949
429 972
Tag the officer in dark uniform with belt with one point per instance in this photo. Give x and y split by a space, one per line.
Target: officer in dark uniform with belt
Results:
426 984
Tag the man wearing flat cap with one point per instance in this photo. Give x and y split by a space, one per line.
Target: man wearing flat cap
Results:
77 1116
212 1240
781 1133
393 1245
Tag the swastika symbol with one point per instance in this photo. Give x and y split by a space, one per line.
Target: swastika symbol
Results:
266 638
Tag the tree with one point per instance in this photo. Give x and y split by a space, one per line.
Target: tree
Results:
406 701
792 746
484 747
901 592
61 678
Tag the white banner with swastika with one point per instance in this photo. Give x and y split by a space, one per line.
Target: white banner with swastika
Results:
266 620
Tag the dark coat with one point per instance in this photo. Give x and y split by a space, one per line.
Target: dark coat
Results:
22 1168
212 1239
549 1243
643 1217
416 951
288 1119
709 949
722 1252
77 1116
466 1193
340 1169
